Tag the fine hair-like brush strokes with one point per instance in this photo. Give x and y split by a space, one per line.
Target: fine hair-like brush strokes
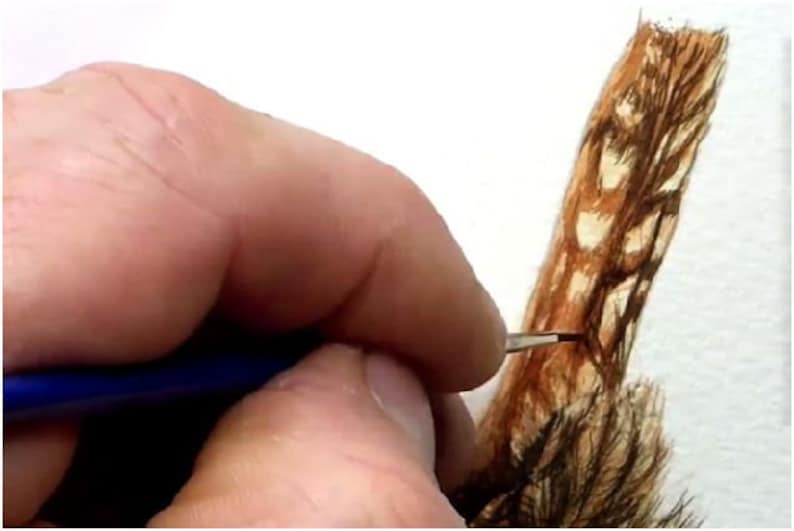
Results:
565 442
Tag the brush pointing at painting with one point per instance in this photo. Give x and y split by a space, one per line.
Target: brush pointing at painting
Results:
142 212
235 364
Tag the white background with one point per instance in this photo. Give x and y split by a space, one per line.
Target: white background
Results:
483 104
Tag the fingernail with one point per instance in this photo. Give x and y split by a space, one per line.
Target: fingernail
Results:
404 400
499 329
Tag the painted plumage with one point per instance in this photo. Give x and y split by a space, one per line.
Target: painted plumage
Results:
566 442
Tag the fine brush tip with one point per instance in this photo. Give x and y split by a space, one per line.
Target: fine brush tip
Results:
568 337
520 342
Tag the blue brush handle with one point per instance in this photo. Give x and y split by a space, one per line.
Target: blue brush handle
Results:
238 368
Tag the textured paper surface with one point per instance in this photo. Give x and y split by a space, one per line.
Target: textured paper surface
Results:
484 106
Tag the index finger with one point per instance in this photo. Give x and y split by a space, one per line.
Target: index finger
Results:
136 202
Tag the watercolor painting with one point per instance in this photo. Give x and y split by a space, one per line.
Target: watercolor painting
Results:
622 173
567 442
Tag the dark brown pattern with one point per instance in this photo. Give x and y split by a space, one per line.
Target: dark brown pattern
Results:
619 215
595 463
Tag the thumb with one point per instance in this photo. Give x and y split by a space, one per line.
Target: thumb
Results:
345 438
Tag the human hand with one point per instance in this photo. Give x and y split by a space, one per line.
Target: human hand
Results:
138 202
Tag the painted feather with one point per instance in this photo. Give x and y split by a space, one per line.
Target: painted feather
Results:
565 442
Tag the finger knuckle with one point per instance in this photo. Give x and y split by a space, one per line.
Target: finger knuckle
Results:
174 104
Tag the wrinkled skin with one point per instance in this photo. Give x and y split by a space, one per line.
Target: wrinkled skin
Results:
137 203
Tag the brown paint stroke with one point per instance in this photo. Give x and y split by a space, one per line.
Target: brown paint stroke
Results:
630 175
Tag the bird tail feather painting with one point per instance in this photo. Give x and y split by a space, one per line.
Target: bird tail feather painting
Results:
566 442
